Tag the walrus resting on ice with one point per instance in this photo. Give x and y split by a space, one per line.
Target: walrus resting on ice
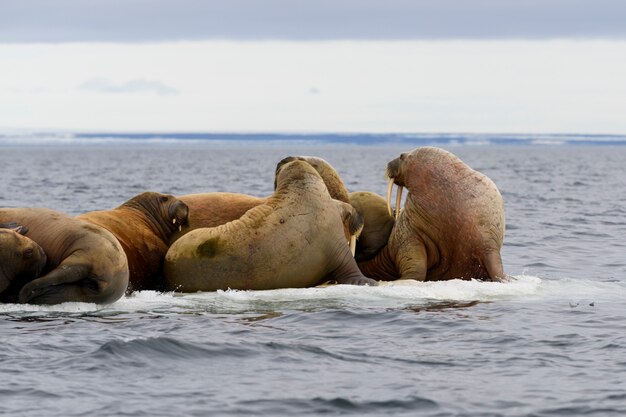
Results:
451 226
217 208
144 226
85 262
21 260
296 238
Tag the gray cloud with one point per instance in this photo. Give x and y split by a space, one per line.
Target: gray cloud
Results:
171 20
103 85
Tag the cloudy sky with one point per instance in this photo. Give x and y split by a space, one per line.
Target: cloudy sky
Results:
314 65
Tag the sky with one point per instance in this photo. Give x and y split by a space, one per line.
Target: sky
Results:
475 66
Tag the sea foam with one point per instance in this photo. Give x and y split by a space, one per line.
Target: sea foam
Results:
389 294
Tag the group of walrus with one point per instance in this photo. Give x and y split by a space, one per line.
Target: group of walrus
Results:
303 235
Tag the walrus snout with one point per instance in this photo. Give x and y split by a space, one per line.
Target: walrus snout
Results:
395 171
180 213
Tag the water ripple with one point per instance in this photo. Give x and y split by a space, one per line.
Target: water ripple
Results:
548 343
166 348
338 405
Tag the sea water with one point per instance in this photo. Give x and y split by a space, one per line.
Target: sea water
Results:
552 342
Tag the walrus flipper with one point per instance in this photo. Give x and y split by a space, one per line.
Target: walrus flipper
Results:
68 282
412 261
357 280
493 264
16 227
348 272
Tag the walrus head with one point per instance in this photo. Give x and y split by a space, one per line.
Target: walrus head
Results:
289 173
378 223
165 212
418 170
395 173
21 259
334 184
353 223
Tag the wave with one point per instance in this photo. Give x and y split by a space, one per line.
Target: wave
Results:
133 350
337 405
396 294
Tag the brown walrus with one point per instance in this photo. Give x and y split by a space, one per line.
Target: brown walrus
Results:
214 209
451 226
143 225
294 239
85 262
21 260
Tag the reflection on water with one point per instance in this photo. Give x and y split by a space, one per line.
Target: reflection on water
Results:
442 306
265 316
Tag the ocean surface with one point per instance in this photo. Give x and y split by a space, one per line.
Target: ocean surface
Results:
552 342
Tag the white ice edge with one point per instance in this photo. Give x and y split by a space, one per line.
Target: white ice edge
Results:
388 294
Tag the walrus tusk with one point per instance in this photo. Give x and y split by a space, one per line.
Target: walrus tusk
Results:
180 227
389 191
174 220
398 200
353 245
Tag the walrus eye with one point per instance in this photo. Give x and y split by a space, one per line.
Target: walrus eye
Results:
28 253
163 199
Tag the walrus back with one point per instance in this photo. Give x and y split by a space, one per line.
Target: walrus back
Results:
271 246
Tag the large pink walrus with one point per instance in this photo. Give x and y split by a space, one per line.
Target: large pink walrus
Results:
295 238
451 226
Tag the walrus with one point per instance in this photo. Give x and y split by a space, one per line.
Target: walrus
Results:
217 208
84 262
377 223
294 239
451 226
21 260
144 226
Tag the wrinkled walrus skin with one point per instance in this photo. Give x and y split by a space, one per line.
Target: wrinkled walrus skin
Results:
451 226
295 238
21 260
85 262
144 226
